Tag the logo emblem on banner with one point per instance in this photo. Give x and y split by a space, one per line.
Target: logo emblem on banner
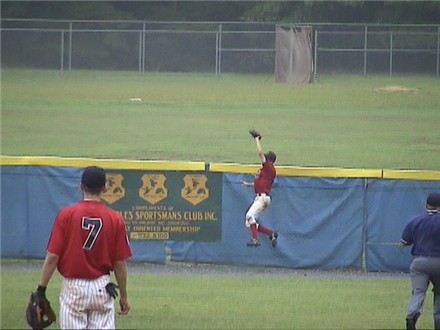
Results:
153 188
195 190
114 190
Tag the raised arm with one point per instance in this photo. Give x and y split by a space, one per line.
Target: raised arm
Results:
260 150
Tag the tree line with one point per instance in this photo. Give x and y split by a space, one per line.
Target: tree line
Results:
392 12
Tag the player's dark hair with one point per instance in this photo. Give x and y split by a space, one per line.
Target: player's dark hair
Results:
94 191
270 156
93 179
433 200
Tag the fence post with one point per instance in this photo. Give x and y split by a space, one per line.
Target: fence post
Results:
438 51
216 53
364 227
62 51
219 71
391 53
365 49
143 47
70 45
140 52
316 55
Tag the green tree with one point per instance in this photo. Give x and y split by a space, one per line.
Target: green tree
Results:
72 10
396 12
186 10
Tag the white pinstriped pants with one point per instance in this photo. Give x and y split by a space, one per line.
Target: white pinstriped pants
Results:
260 204
84 304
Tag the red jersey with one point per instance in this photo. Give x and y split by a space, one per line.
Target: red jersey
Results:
264 179
89 238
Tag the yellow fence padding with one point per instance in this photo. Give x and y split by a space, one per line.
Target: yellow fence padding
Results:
104 163
324 172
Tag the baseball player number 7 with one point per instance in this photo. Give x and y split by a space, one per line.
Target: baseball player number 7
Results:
94 225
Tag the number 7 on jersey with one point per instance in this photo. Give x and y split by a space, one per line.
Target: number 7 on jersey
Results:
94 225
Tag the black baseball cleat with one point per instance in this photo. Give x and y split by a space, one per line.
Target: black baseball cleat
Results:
410 324
274 238
253 243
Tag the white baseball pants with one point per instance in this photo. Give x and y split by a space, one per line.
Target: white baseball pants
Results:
261 203
85 304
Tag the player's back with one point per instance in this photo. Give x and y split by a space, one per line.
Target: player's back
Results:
265 178
426 231
86 237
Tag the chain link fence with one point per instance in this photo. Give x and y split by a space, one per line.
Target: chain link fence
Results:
214 47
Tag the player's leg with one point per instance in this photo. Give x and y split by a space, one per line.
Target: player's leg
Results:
252 215
260 204
436 306
264 204
273 235
102 307
102 317
420 282
73 304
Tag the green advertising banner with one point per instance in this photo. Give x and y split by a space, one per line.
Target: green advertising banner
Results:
168 205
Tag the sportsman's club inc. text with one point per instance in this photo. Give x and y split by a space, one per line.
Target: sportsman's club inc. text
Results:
169 215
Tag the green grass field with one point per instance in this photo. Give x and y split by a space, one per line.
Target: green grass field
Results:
340 121
176 301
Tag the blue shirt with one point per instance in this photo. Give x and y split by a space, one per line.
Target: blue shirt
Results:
423 232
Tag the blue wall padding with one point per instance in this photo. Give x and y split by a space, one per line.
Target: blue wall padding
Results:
391 204
326 223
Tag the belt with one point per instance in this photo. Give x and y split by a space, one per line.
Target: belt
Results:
263 194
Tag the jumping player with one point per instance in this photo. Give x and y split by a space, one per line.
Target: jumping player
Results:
262 187
88 241
423 233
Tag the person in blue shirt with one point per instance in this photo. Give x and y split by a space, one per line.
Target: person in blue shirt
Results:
423 233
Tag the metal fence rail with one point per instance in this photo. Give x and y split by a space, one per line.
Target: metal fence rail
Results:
215 47
421 49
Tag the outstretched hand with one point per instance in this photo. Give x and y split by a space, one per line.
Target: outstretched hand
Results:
247 184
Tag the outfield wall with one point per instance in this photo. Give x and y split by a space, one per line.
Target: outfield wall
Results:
327 218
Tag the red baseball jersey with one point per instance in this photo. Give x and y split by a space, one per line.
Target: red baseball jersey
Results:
265 177
89 238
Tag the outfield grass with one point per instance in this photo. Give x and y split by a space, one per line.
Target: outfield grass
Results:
339 121
175 301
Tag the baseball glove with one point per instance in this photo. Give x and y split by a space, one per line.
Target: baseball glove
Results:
39 314
255 134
